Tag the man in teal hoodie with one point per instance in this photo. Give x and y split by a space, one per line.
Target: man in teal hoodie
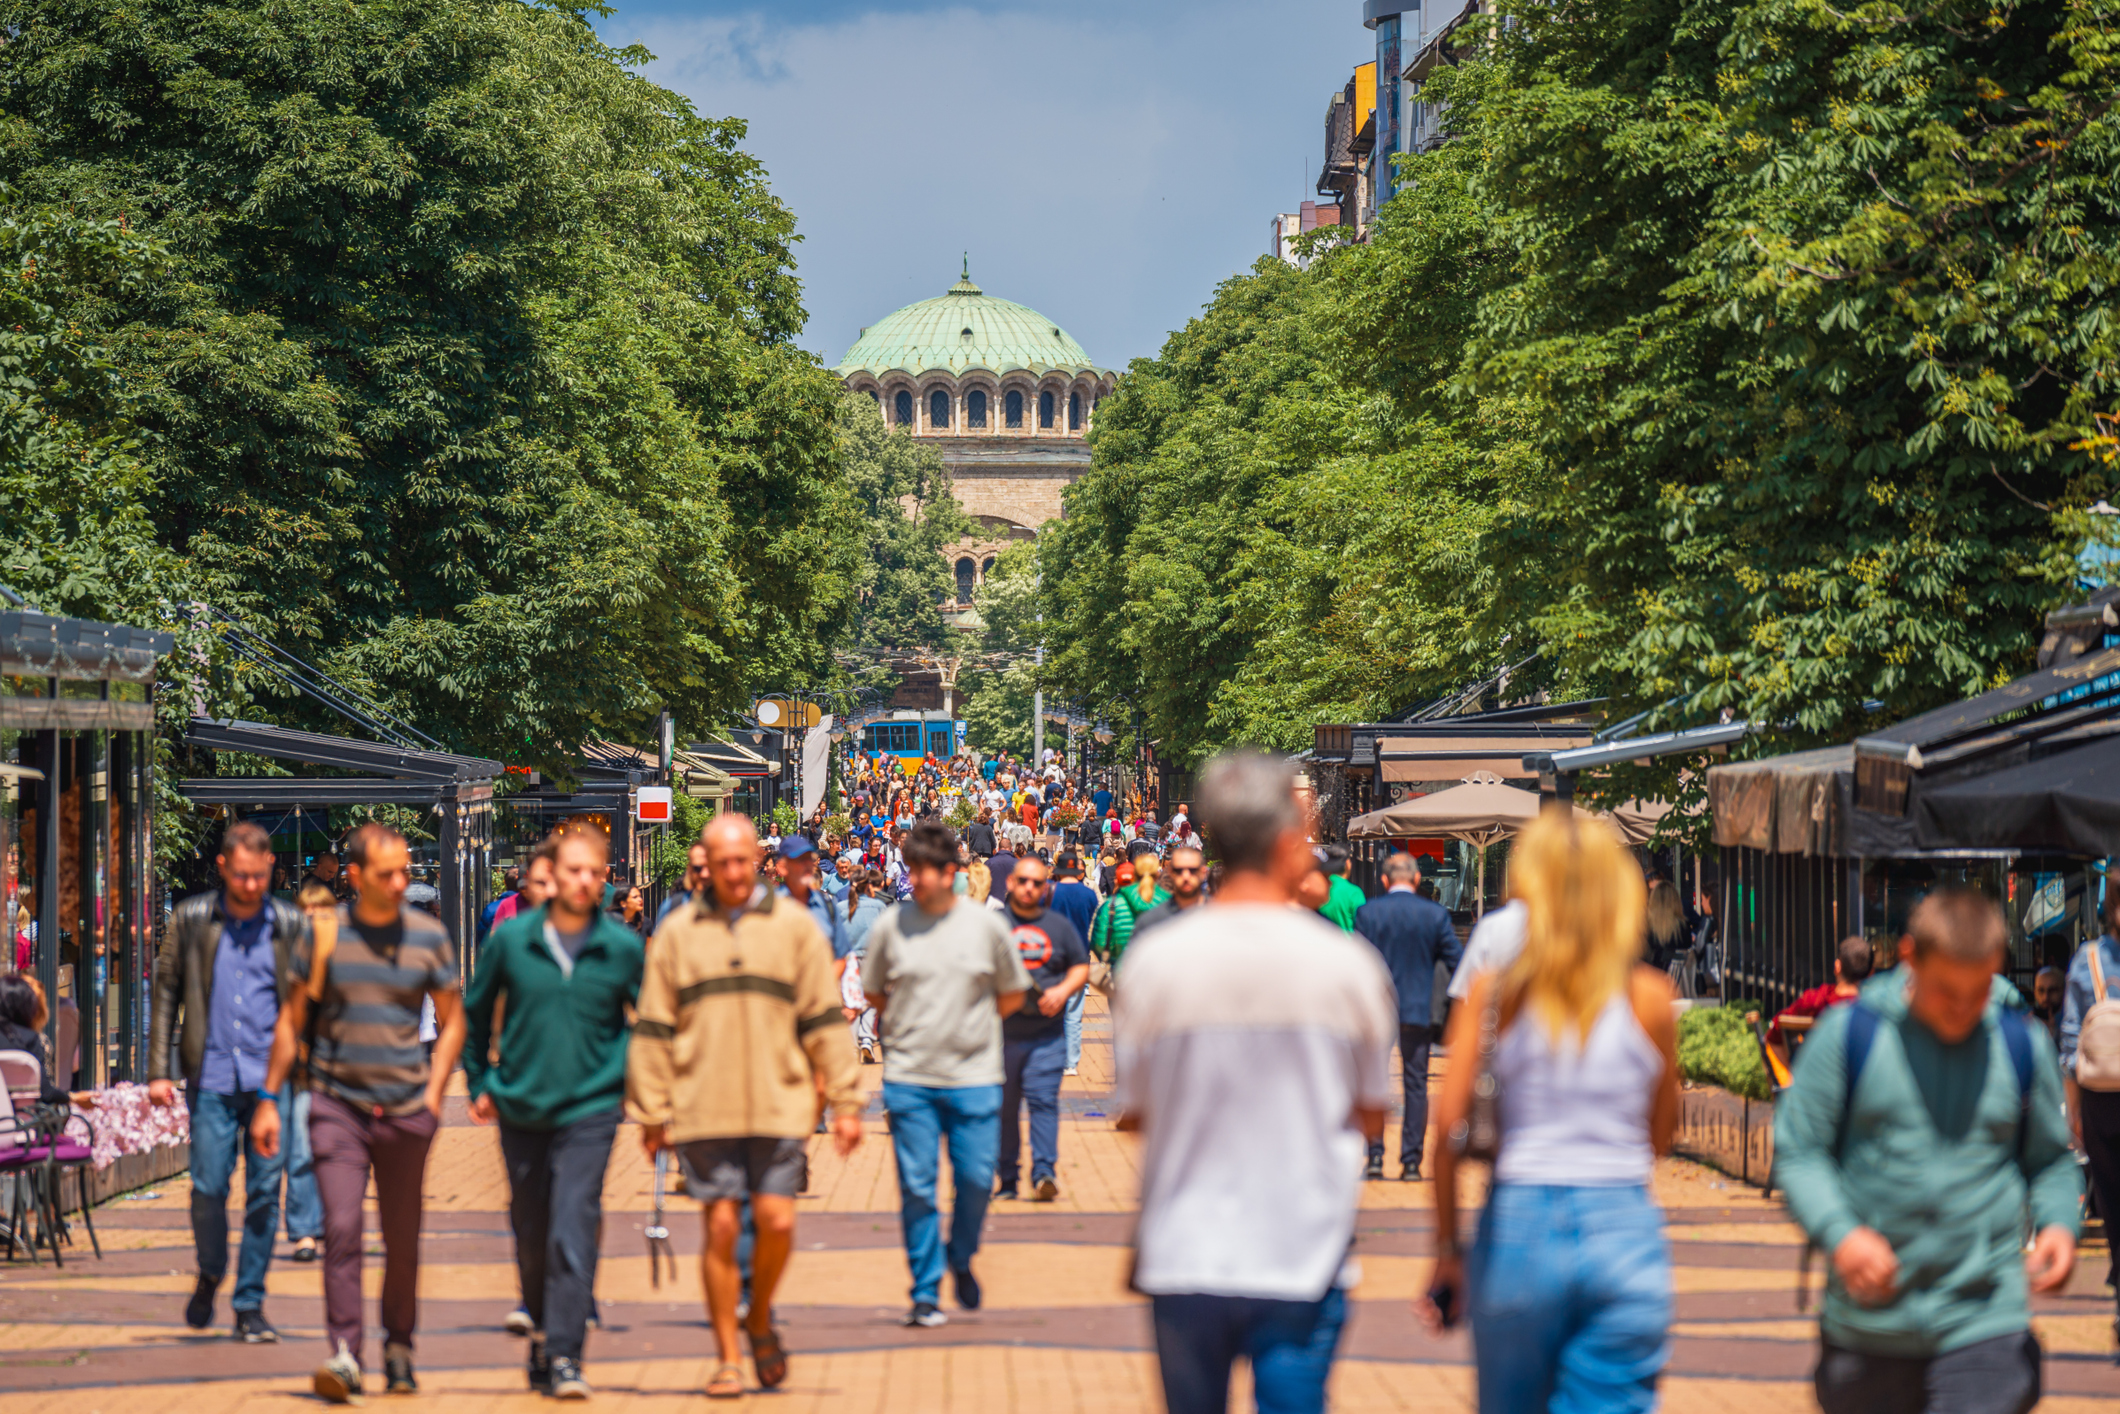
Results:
1917 1174
565 973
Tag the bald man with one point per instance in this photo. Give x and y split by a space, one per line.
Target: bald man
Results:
748 978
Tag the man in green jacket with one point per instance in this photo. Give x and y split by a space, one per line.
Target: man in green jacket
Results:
1344 898
565 974
1916 1173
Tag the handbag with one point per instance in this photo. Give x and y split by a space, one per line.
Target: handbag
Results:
1478 1136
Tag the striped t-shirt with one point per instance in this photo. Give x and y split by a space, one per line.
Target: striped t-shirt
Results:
368 1050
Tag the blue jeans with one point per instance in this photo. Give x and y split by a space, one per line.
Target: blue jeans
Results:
922 1117
305 1211
220 1129
1289 1344
1570 1300
1030 1072
1074 1026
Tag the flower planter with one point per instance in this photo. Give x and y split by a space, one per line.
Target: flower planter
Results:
1727 1132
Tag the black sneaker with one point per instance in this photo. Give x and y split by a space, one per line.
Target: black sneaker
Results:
198 1312
567 1381
253 1329
1375 1169
1008 1193
926 1313
540 1365
397 1370
967 1288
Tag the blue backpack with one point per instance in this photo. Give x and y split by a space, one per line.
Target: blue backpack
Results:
1863 1022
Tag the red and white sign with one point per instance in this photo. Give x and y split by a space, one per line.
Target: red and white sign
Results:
652 805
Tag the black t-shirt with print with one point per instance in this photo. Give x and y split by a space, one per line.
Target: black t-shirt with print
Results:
1049 945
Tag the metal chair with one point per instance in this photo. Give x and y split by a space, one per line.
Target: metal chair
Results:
49 1154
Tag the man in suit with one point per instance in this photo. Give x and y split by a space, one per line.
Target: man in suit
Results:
1413 934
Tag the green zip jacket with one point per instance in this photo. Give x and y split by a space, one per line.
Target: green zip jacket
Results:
563 1037
1931 1161
1113 927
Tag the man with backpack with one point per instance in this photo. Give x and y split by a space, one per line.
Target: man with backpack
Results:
1923 1126
2090 1058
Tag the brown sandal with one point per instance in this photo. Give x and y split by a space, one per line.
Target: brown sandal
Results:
769 1355
726 1384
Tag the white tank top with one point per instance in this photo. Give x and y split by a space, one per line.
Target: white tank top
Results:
1577 1115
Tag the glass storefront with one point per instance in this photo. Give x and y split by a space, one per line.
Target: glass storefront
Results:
76 755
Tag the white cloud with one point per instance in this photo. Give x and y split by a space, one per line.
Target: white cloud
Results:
1103 165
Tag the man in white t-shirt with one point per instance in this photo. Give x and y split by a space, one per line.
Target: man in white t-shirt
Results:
1493 945
1255 1085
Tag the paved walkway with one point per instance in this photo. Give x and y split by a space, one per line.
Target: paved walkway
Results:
1059 1331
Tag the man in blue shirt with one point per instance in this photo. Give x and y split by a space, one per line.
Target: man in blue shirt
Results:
798 880
1077 903
222 969
1101 799
1413 934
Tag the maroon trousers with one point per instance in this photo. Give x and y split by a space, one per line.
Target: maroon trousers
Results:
347 1144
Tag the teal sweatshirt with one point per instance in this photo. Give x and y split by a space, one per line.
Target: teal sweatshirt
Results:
563 1038
1931 1162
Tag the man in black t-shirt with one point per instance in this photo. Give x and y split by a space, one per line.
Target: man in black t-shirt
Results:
1034 1040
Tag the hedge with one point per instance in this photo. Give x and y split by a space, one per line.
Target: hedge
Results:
1717 1047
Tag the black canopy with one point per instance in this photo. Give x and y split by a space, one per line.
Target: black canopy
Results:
2068 803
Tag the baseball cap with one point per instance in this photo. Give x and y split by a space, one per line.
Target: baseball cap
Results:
796 847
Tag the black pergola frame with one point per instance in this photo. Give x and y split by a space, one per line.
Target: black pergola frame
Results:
458 788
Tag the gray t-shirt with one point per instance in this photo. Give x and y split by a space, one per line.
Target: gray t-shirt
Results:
939 978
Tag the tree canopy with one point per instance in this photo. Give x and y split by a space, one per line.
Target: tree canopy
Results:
468 372
1731 355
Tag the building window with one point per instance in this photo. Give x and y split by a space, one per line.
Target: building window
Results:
975 409
1012 408
1045 409
967 577
986 566
905 409
938 409
1074 412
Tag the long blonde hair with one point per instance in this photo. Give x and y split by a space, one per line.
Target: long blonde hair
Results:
1586 901
1666 918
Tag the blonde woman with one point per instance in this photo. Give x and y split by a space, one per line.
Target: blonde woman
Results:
1569 1282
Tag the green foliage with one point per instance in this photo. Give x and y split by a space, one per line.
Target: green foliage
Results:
1716 1046
997 708
784 820
961 813
468 372
1735 355
909 517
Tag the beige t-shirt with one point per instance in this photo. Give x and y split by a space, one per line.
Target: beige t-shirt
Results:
939 978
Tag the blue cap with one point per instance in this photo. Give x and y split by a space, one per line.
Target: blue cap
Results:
796 847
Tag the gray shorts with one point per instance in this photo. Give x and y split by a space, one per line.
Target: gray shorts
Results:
735 1168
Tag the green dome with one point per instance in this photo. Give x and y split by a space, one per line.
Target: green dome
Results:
963 330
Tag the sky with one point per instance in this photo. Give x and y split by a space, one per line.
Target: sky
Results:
1105 162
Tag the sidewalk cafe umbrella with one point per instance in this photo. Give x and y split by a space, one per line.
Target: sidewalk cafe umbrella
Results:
2067 803
1480 813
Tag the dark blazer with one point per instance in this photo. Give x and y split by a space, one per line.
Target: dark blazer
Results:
184 977
1413 934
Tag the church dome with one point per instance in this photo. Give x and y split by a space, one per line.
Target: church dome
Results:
963 330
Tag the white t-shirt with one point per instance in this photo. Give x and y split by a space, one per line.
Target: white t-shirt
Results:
1249 1035
1493 945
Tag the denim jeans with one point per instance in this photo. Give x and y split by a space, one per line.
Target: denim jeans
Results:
220 1128
1074 1026
305 1211
1570 1300
1030 1074
555 1205
1289 1344
922 1118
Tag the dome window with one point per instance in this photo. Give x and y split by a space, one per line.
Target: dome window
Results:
905 409
1045 409
1074 412
1012 407
965 332
938 409
967 577
975 409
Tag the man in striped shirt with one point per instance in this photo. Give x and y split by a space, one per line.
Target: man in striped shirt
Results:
376 1095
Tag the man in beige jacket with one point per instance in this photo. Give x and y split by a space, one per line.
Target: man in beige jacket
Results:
746 979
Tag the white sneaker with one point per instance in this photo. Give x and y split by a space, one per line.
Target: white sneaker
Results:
338 1380
1069 1071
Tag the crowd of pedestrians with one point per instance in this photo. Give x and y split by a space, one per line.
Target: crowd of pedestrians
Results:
949 927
